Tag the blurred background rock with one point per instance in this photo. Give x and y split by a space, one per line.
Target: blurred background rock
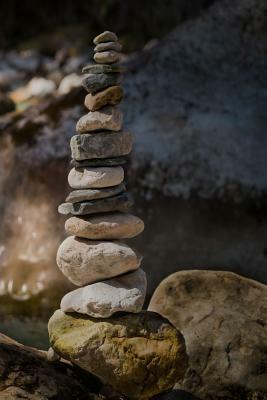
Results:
195 96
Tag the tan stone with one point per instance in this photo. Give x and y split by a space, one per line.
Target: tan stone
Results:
105 226
107 57
108 118
106 36
112 95
99 177
108 46
140 355
85 261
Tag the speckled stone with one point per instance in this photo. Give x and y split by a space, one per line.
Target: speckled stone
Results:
116 46
94 178
121 202
104 162
101 145
92 83
102 68
111 95
107 57
108 118
77 196
106 36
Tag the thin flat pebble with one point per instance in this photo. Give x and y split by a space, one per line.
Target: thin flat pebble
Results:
100 177
102 68
79 195
116 46
107 57
104 162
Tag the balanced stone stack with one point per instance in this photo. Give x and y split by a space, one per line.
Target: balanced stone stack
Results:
99 204
138 353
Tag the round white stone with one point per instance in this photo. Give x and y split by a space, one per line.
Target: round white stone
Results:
102 299
100 177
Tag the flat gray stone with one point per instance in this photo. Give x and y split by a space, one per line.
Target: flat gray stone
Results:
125 293
121 202
104 162
102 69
106 36
77 196
95 178
101 145
93 83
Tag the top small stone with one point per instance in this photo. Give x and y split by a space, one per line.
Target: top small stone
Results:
106 36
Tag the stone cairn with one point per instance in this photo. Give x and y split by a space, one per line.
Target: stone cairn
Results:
112 286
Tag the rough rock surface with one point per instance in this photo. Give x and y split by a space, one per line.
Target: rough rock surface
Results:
93 194
223 318
121 202
111 95
94 178
101 145
85 261
108 118
102 299
143 349
98 162
105 226
95 82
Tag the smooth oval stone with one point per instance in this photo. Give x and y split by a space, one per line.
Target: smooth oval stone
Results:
125 293
111 95
104 162
139 355
101 145
92 194
100 177
108 46
95 82
106 36
102 68
108 118
107 57
85 261
106 226
121 202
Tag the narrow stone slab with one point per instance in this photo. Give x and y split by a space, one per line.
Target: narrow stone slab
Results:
92 83
101 145
107 57
102 299
85 261
121 202
105 162
102 68
77 196
114 225
94 178
116 46
106 36
108 118
111 95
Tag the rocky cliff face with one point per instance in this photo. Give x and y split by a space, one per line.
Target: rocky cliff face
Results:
195 102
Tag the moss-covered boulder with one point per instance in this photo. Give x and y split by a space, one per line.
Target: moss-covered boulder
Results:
140 355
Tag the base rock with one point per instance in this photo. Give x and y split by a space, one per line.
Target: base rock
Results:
140 355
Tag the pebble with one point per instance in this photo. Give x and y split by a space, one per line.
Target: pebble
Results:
101 145
85 261
102 68
121 202
108 118
114 225
108 46
107 57
89 177
111 95
92 83
106 36
92 194
102 299
104 162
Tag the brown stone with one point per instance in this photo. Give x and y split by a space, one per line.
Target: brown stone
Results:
107 57
108 46
112 95
106 36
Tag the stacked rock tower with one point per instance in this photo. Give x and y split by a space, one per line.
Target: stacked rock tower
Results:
94 257
100 325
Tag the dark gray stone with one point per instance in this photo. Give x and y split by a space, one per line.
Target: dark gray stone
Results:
93 83
104 162
101 145
102 69
122 202
92 194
